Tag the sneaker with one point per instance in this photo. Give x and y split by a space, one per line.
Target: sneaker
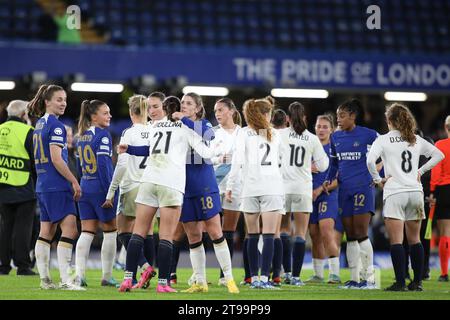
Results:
427 276
276 282
415 286
70 287
367 285
315 279
197 288
350 285
222 282
146 276
80 281
110 283
232 287
256 284
297 282
164 289
443 278
47 284
246 282
287 277
396 287
268 286
334 279
173 278
26 272
126 286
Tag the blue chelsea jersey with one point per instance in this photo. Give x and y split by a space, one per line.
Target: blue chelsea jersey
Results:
200 175
348 153
320 177
94 152
49 130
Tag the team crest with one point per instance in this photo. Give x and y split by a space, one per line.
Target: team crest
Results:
58 131
105 140
356 144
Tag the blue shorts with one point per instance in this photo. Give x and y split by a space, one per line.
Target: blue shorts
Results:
356 201
200 208
338 226
325 207
90 206
55 206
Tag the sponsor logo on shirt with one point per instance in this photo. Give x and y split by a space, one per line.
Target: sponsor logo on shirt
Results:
349 155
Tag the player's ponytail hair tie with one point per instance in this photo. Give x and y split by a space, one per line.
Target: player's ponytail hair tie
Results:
255 112
296 113
401 118
171 105
138 105
37 107
88 108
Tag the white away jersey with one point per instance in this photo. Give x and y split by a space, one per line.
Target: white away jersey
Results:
400 161
224 143
132 166
259 160
169 143
298 152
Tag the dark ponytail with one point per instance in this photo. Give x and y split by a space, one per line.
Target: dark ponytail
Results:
88 108
171 105
36 107
296 113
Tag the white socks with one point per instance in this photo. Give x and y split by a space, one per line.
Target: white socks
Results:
366 253
333 264
64 254
318 266
198 261
223 256
353 256
108 253
42 252
82 253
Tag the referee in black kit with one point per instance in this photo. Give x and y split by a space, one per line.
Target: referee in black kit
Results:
17 191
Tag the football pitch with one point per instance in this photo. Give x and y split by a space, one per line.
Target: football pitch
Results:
14 287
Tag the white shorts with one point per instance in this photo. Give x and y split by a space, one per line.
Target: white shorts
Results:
262 204
298 203
234 205
126 205
404 206
158 196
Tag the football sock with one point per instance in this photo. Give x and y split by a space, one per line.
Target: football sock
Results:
298 254
398 261
108 253
417 257
42 252
224 257
198 261
82 252
353 258
252 251
287 252
444 254
64 255
277 258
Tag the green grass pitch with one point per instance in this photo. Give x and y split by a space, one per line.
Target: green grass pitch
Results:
14 287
